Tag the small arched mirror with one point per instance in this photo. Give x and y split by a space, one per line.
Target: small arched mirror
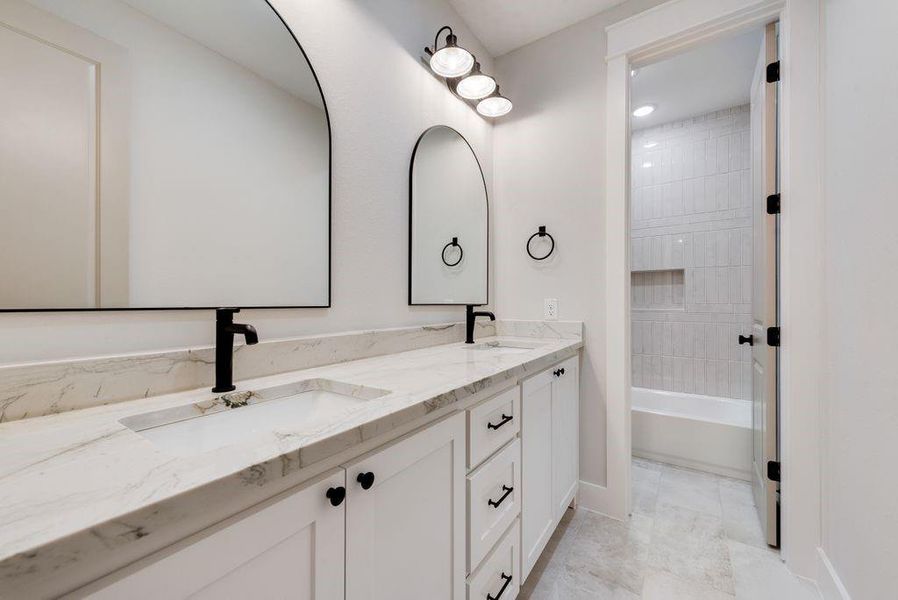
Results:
449 216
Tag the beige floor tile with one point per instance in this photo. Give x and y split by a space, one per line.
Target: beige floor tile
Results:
664 586
761 575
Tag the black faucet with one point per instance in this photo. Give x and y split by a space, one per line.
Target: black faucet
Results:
225 328
470 315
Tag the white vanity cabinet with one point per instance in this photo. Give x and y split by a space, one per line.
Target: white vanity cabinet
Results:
459 509
550 407
390 525
291 547
405 533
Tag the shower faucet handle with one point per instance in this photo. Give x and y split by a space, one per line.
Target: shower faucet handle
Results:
750 340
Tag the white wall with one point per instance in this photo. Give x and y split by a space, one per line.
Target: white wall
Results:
550 154
860 420
380 99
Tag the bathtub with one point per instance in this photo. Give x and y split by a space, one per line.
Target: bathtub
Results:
700 432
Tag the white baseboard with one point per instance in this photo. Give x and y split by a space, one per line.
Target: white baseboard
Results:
696 465
596 498
828 580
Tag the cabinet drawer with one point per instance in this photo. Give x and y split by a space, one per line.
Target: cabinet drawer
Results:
494 501
498 578
492 424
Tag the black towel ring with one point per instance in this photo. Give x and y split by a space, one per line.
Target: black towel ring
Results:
541 233
461 253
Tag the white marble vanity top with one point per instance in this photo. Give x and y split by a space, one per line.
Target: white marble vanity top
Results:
82 481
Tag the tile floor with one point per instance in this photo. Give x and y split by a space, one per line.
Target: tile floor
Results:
692 536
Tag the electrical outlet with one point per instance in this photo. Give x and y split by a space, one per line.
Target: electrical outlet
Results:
551 309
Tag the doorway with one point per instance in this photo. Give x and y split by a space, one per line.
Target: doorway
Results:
703 273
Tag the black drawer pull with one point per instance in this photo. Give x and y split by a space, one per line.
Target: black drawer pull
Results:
496 503
336 495
507 579
366 480
505 419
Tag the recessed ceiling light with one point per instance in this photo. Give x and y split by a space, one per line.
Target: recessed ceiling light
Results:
650 145
644 111
646 165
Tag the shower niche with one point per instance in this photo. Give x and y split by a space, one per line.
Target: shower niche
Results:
658 289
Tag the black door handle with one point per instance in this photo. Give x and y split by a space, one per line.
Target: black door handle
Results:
366 480
507 579
750 340
496 503
336 495
505 419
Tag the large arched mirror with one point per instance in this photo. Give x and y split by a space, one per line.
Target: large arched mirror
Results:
160 154
449 215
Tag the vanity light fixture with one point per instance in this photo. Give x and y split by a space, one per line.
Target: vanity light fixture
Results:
461 71
644 111
451 60
475 85
494 105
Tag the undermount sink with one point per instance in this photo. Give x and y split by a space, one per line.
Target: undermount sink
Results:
301 406
504 347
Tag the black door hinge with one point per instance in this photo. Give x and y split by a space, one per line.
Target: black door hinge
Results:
773 336
773 204
773 470
773 72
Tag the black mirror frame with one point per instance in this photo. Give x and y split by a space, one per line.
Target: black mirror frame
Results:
486 196
330 228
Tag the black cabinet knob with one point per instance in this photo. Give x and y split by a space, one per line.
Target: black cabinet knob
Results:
366 480
750 340
336 495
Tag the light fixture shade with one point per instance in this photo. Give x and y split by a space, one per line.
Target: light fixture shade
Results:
476 85
494 105
451 60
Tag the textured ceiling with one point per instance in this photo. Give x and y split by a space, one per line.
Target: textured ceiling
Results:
505 25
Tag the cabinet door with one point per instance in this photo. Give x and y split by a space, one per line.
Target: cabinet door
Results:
537 498
291 548
405 520
565 434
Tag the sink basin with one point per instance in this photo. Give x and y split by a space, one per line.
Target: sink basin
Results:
302 406
504 347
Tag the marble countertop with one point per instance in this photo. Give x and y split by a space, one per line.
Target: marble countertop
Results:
82 479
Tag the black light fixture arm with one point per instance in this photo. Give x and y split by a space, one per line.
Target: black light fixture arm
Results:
436 38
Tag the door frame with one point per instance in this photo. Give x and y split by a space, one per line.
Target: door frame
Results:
650 36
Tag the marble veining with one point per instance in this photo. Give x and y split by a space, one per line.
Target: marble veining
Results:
79 486
37 389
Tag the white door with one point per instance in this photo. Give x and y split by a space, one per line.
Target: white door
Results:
764 290
538 497
405 524
291 548
565 434
63 151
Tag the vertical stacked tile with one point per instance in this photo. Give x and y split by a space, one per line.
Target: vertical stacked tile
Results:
691 254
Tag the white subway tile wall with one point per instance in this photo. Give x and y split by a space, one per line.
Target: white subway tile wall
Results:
691 253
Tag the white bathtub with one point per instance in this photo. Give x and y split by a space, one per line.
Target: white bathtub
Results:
701 432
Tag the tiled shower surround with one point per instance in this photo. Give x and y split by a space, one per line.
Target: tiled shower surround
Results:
691 254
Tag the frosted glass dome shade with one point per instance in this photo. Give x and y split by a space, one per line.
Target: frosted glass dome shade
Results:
494 106
451 61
